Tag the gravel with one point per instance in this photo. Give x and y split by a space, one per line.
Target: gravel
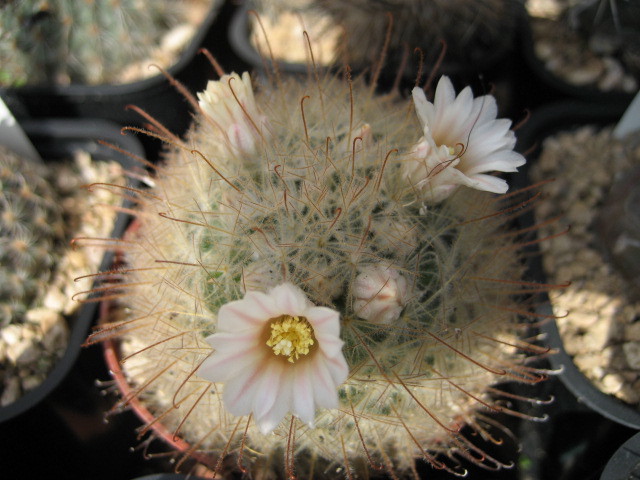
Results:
599 314
31 346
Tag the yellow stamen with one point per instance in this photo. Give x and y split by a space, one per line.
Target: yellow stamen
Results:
291 336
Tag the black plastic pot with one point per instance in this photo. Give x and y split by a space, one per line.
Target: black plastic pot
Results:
154 95
239 34
59 429
168 476
497 65
547 87
56 140
545 122
625 463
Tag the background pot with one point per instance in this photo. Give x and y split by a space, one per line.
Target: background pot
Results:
544 86
544 122
56 140
61 422
625 463
154 95
494 69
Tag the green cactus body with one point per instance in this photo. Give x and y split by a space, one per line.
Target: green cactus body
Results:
31 231
309 190
67 41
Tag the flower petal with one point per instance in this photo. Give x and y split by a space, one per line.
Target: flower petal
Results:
249 313
289 299
489 183
269 386
330 345
324 320
268 421
220 367
325 392
303 402
239 391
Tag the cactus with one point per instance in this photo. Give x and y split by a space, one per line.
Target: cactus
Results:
31 241
31 230
473 31
395 284
41 209
62 41
609 28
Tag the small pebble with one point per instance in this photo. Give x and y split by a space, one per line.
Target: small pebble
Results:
632 354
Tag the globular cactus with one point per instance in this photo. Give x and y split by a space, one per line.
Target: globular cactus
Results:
473 31
320 275
66 41
31 231
31 244
609 28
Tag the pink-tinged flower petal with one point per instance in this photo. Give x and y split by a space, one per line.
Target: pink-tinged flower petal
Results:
445 95
303 401
247 313
462 140
325 395
230 341
290 300
330 345
269 386
503 161
220 367
423 107
338 369
324 321
489 183
272 418
239 391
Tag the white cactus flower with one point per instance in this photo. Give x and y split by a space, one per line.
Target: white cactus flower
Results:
380 294
276 353
462 141
230 104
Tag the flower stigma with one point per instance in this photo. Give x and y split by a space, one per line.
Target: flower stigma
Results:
291 336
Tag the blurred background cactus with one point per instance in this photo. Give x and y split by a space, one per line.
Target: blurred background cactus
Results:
32 232
61 42
474 33
32 235
42 209
589 43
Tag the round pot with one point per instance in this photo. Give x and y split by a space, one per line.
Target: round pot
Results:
155 95
545 122
549 87
625 463
496 65
56 139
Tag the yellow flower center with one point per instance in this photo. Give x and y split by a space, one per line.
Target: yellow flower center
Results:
291 336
